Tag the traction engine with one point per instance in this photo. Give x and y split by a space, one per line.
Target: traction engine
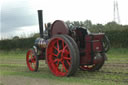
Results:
67 48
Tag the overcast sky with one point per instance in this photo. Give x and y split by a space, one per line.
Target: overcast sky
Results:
19 17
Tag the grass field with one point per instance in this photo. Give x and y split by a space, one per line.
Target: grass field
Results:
13 71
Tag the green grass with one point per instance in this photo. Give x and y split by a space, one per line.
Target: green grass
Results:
118 52
114 72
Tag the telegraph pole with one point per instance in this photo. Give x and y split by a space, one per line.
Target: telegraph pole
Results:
116 16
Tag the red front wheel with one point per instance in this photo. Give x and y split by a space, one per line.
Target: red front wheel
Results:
61 56
32 60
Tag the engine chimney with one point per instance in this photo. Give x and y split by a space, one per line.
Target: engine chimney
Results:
40 18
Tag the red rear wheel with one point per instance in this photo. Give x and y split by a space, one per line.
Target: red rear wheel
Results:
32 60
61 56
95 66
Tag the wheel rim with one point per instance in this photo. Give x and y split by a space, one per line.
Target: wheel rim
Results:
58 57
87 67
96 64
31 60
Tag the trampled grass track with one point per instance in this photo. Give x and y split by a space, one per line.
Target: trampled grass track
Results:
114 71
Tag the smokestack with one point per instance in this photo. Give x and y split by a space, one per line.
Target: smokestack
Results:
40 18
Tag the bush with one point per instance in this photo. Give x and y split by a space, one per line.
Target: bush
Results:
23 43
118 38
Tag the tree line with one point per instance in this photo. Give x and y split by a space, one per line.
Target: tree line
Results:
118 35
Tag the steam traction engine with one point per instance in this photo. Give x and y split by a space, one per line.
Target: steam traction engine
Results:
65 49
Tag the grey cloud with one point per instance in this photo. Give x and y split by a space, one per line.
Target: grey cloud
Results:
17 15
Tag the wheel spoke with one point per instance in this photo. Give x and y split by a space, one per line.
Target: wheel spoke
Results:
53 66
65 47
57 65
67 58
53 54
64 66
68 63
66 51
56 60
33 59
63 44
55 48
58 45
